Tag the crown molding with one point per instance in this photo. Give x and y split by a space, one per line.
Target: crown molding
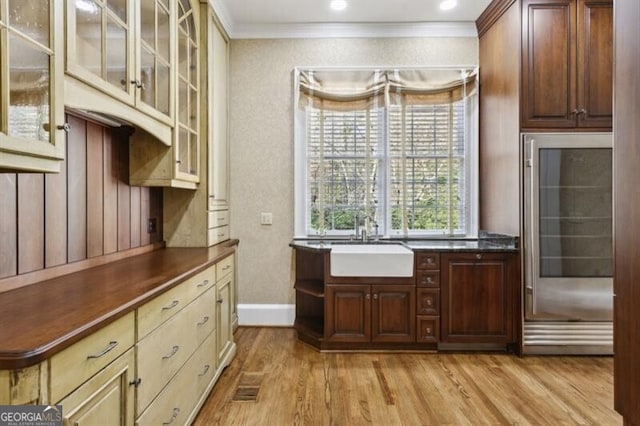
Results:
340 30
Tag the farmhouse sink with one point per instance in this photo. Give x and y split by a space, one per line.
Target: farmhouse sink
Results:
371 260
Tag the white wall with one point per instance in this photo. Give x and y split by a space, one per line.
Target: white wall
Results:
261 139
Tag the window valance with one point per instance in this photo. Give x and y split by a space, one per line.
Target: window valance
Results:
351 90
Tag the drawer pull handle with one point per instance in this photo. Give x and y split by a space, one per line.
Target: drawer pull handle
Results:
173 352
226 267
204 321
221 219
427 280
220 234
428 332
220 300
171 306
429 302
103 352
176 411
206 369
478 256
204 283
135 382
430 260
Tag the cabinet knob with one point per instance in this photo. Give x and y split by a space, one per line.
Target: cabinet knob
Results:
220 300
66 127
375 296
138 84
429 302
178 161
135 382
575 112
368 296
582 111
429 332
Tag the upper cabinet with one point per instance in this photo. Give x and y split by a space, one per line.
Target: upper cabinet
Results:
567 51
127 50
218 67
32 128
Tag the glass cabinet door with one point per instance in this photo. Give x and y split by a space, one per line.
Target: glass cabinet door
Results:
99 45
155 50
187 102
30 111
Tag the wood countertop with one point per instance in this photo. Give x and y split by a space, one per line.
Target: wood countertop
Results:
40 320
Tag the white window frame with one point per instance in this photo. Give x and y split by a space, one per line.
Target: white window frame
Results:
471 173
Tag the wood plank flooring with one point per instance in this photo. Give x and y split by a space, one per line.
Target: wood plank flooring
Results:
277 380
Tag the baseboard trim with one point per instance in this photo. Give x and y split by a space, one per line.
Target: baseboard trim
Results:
268 315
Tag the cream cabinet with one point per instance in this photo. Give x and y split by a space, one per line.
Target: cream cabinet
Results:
177 165
154 365
32 128
218 79
125 49
226 278
105 399
201 218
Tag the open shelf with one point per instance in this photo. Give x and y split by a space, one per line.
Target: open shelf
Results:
311 287
312 327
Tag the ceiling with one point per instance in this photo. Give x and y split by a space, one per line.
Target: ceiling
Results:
314 18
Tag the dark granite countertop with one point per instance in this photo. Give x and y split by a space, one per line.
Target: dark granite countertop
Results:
487 242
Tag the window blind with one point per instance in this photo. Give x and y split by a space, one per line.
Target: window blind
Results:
400 162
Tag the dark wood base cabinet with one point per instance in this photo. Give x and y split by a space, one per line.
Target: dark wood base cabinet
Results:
468 300
370 313
479 298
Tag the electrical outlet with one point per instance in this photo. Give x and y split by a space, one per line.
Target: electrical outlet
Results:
152 225
266 218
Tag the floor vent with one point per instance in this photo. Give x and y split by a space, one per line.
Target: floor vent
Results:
248 387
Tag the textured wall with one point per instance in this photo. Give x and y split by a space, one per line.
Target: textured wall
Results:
261 138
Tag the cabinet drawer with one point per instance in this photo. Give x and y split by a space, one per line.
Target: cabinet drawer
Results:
428 278
428 302
162 353
203 315
218 218
427 260
428 329
166 305
174 404
73 366
205 364
224 267
217 235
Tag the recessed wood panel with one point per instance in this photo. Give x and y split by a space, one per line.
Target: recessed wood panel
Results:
110 171
8 228
30 222
95 195
85 211
55 193
124 197
77 189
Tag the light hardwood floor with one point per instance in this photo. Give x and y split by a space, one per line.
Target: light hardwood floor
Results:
293 384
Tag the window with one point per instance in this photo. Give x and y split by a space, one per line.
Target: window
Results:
390 149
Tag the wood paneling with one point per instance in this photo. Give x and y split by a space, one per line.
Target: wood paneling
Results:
499 125
124 196
30 222
55 225
95 194
77 189
8 228
86 211
111 171
406 389
626 152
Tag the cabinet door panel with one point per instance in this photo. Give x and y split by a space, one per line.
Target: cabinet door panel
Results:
348 313
393 313
548 64
595 59
477 298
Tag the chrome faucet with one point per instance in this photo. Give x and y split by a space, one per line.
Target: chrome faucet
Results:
361 234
